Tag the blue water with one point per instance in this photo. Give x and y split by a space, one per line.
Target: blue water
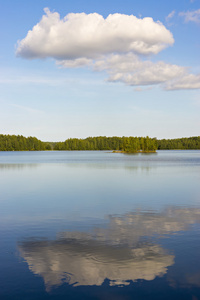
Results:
99 225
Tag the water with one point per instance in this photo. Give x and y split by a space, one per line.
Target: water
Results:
99 225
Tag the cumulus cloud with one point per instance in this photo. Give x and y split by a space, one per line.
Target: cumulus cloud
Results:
191 16
188 81
114 45
75 63
130 70
80 35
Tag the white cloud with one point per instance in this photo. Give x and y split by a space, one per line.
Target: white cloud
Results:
79 35
133 71
138 89
170 15
142 89
188 81
76 63
112 45
191 16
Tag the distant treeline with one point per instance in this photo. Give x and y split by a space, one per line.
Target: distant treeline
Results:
21 143
125 144
183 143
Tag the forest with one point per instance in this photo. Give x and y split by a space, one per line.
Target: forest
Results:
122 144
21 143
179 144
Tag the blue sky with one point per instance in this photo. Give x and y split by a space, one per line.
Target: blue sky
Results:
123 68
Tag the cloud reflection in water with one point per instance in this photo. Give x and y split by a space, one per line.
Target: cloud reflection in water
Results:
124 251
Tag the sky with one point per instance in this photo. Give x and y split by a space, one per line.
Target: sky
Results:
100 68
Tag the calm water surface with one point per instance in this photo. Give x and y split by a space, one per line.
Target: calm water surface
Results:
99 225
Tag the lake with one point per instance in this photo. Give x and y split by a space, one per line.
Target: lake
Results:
100 225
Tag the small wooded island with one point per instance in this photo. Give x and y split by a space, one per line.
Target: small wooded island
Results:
117 144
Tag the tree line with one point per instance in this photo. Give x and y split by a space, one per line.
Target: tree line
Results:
124 144
182 143
21 143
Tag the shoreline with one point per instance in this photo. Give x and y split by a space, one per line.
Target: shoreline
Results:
140 151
